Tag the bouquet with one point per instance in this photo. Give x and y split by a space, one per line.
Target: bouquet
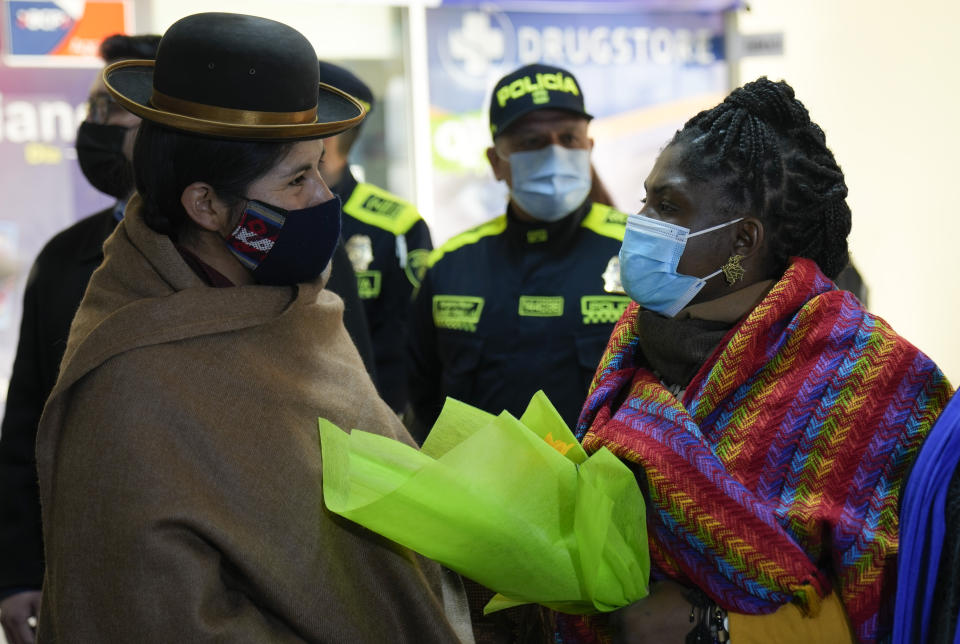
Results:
514 504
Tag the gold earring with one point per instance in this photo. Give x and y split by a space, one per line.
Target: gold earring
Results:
733 270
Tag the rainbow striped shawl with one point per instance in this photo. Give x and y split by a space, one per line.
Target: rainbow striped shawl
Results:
780 473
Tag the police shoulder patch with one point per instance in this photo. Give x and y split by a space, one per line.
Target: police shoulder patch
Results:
606 221
377 207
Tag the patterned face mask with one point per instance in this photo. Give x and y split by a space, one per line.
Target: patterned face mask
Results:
284 247
648 264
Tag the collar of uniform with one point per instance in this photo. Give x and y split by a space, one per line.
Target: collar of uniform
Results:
345 187
541 234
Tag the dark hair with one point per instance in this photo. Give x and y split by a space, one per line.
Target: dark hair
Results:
166 161
771 160
122 47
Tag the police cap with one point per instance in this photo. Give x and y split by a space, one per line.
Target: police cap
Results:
346 81
533 87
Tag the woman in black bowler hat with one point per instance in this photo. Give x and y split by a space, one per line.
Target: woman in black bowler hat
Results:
178 457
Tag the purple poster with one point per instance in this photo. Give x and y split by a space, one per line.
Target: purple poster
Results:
41 183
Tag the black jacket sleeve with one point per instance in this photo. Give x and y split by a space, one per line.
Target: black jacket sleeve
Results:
55 287
21 542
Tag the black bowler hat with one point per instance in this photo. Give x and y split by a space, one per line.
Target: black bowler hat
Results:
233 76
346 81
533 87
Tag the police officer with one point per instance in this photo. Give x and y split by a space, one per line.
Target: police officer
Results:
526 301
388 244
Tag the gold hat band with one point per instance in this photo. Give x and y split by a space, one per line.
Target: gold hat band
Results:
230 115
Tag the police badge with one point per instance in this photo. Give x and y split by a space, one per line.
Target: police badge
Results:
611 276
360 251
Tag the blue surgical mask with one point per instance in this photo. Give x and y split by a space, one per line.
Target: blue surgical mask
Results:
648 264
550 183
286 247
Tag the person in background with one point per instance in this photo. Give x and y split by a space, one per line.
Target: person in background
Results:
525 301
54 288
178 457
770 419
520 302
387 242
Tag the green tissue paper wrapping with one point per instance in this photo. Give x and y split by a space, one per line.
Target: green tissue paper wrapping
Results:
515 505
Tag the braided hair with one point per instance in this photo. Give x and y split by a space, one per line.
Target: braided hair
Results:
771 160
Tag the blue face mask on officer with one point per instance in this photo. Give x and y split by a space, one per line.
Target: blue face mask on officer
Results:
549 183
648 264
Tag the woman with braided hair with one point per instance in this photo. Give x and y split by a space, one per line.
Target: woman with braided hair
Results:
770 419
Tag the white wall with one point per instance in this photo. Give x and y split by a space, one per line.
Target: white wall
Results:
338 30
880 77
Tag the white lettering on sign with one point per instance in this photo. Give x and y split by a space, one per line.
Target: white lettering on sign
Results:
41 121
616 46
42 19
83 46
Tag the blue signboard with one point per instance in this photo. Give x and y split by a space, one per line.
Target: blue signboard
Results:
36 27
643 73
47 32
40 180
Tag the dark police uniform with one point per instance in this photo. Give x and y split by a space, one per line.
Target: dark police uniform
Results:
388 244
508 308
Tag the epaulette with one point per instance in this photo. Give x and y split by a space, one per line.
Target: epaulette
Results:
606 221
377 207
472 236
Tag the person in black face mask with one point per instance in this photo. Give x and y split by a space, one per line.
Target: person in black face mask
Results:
54 289
178 459
56 284
105 138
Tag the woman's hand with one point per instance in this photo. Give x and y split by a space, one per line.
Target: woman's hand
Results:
18 613
662 616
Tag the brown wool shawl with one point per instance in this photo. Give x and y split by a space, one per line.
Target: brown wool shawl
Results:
180 469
